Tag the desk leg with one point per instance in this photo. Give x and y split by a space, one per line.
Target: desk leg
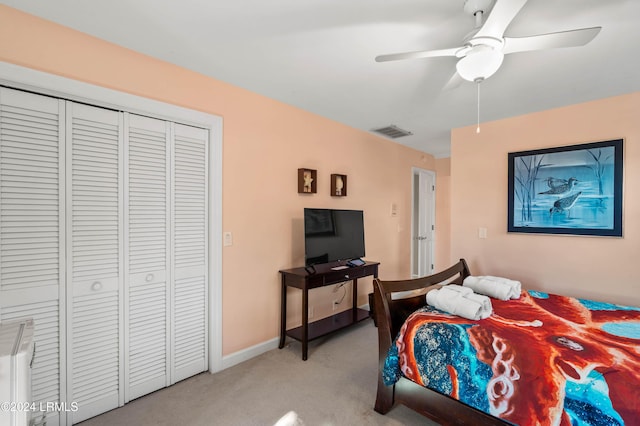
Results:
283 314
354 311
305 322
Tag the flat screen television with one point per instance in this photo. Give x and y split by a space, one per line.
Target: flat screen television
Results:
331 235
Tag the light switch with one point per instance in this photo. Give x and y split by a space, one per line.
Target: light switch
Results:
228 238
482 232
394 210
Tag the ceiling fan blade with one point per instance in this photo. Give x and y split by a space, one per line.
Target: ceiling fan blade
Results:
453 82
572 38
500 17
418 54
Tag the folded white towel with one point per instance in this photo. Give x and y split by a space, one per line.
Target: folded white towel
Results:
484 301
459 302
443 299
496 287
458 289
516 286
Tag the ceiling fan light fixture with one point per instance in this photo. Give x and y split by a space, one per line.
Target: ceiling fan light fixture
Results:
480 63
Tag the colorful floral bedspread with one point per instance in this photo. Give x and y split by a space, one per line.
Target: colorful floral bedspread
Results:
543 359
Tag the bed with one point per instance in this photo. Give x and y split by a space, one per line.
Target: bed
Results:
540 359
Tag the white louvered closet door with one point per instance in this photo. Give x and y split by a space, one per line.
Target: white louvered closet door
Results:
190 251
104 242
32 229
94 259
147 222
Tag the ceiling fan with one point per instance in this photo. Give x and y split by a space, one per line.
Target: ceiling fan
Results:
483 50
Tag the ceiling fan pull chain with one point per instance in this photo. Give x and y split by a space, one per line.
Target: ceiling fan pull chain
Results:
478 128
479 15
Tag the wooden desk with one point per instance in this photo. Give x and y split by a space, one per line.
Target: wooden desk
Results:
324 275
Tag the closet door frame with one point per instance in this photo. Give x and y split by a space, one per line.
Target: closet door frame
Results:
23 78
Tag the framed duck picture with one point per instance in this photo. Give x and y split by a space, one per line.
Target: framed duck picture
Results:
573 190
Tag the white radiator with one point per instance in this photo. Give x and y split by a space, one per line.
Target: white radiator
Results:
16 354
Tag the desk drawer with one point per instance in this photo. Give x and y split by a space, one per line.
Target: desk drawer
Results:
315 281
302 279
348 274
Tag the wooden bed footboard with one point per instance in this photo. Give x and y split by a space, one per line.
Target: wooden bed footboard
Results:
390 315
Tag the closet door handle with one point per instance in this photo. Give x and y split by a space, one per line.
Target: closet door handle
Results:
149 278
96 286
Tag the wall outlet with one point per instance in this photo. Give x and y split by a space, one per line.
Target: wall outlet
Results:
311 312
394 210
335 305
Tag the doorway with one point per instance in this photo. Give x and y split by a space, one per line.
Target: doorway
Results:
422 222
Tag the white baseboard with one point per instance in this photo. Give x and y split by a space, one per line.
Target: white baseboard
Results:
248 353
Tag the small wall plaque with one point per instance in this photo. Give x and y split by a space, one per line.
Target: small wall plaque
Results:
307 181
339 185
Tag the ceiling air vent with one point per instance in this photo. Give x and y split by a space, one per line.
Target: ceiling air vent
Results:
393 132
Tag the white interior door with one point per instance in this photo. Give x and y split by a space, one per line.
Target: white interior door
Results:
94 259
32 272
147 303
190 251
104 242
423 222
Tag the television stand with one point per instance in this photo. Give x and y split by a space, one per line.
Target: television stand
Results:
324 275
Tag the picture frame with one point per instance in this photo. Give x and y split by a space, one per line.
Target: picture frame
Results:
307 181
574 190
338 185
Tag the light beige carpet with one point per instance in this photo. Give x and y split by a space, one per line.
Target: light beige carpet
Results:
335 386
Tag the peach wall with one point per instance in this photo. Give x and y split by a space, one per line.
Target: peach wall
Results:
265 142
443 214
599 268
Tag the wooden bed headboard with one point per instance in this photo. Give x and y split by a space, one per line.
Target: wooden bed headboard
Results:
390 314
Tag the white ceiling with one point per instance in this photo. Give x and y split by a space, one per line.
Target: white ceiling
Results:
319 54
